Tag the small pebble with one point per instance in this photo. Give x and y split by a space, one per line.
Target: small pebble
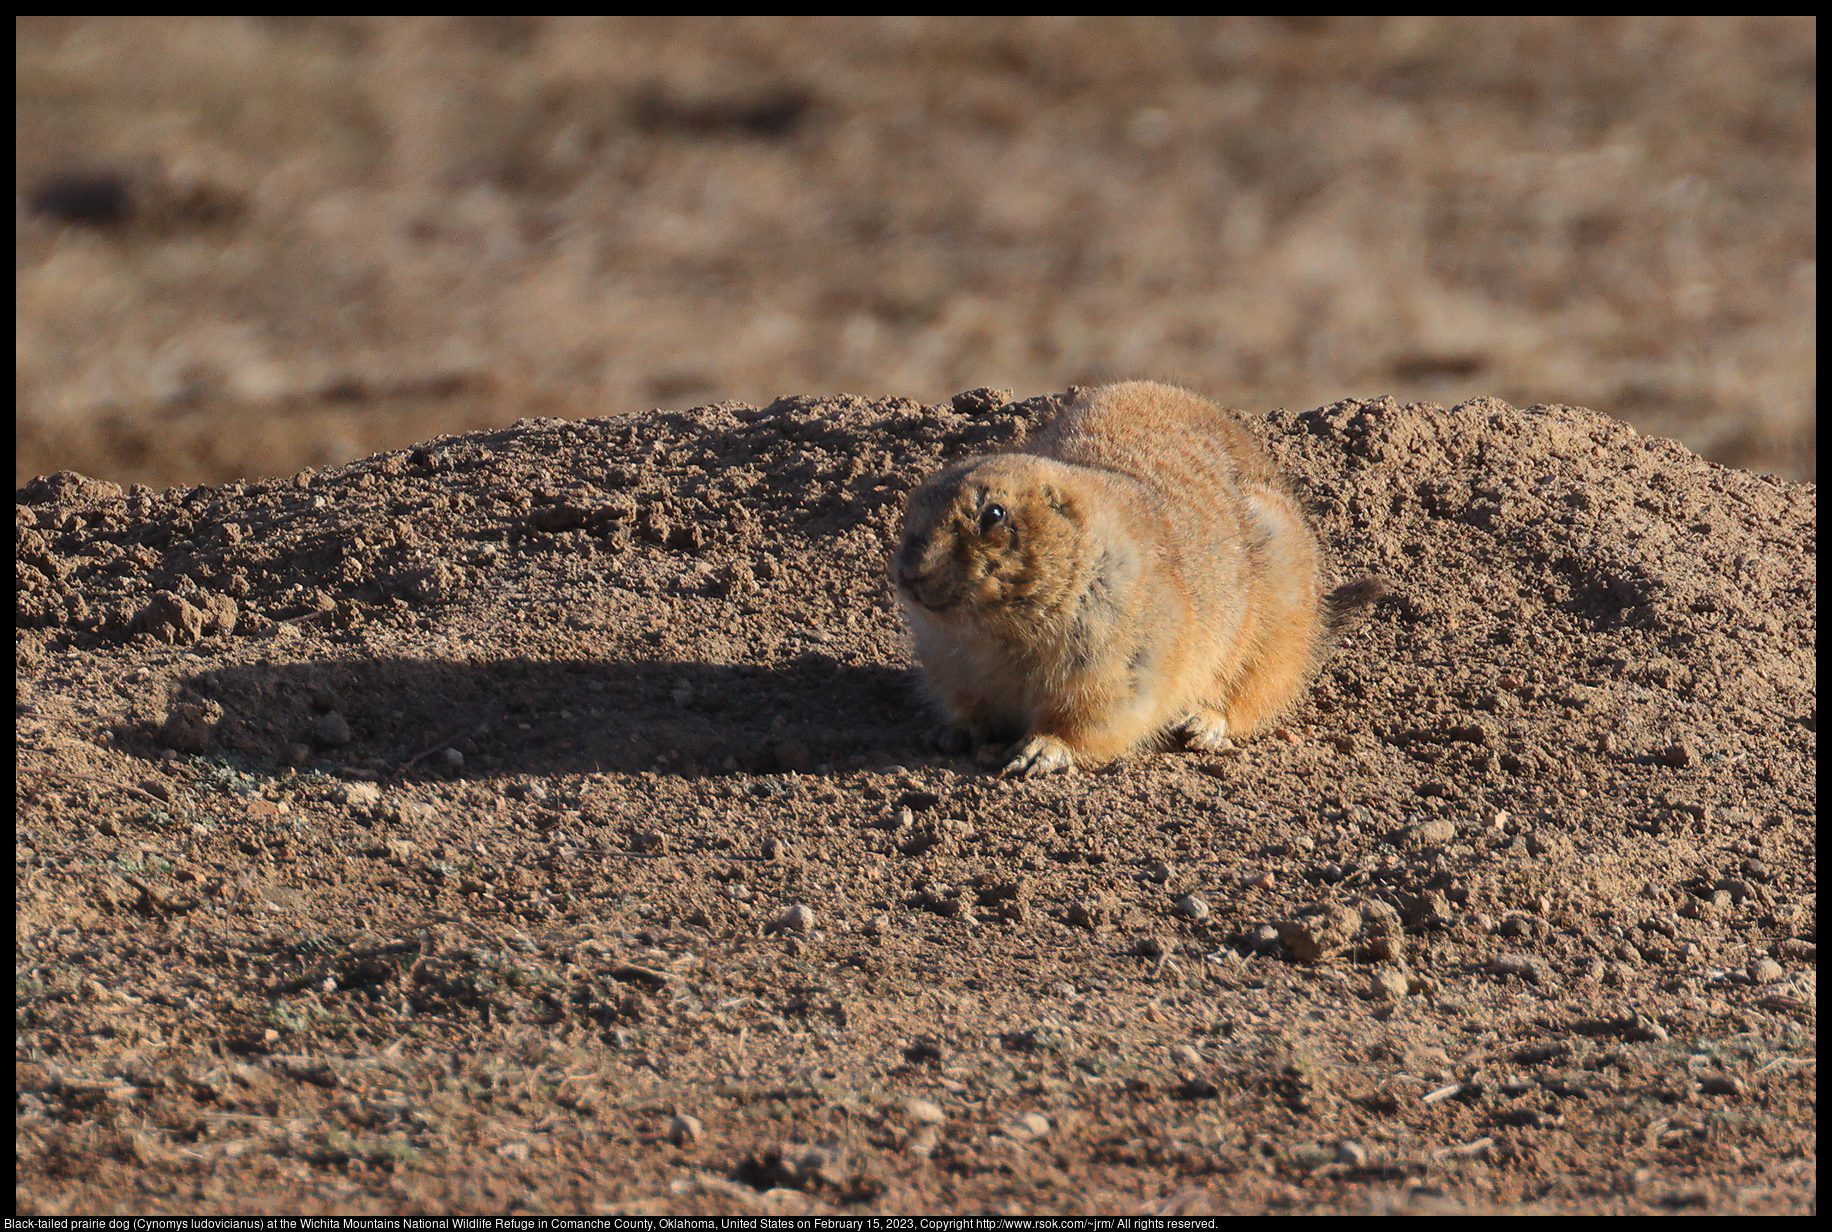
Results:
1387 984
1519 966
796 918
1036 1125
1192 907
684 1129
1437 833
360 795
332 729
1352 1153
1381 919
923 1112
1766 971
1739 890
1265 937
1184 1054
452 758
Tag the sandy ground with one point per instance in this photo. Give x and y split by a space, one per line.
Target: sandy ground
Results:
245 246
539 818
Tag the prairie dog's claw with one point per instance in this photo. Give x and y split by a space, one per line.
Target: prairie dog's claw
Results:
1040 754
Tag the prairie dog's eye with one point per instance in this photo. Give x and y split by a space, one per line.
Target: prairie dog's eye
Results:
991 516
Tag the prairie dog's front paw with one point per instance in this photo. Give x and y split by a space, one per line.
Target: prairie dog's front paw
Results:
1041 754
1206 731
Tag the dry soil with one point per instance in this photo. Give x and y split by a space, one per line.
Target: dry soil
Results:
539 819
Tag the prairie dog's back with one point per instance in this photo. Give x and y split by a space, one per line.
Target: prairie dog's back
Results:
1168 437
1228 526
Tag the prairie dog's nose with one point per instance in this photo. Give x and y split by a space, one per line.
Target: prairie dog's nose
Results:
908 556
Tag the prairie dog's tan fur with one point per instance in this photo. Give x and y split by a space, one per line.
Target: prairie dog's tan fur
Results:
1134 570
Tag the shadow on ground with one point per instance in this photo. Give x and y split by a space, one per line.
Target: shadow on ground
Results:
404 717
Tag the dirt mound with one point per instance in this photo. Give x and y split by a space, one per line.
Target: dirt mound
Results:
542 815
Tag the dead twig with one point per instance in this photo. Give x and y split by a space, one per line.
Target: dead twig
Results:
73 776
427 752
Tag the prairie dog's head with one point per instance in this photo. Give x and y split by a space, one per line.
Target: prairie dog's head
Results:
990 539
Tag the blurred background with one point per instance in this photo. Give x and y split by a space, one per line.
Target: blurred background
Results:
251 245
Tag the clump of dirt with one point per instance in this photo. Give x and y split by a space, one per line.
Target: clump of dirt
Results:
541 818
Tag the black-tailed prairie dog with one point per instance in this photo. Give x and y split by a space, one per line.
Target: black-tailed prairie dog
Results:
1134 571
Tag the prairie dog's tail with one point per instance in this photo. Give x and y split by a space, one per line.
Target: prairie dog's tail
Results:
1343 606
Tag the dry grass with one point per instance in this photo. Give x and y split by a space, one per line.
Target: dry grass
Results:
348 235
